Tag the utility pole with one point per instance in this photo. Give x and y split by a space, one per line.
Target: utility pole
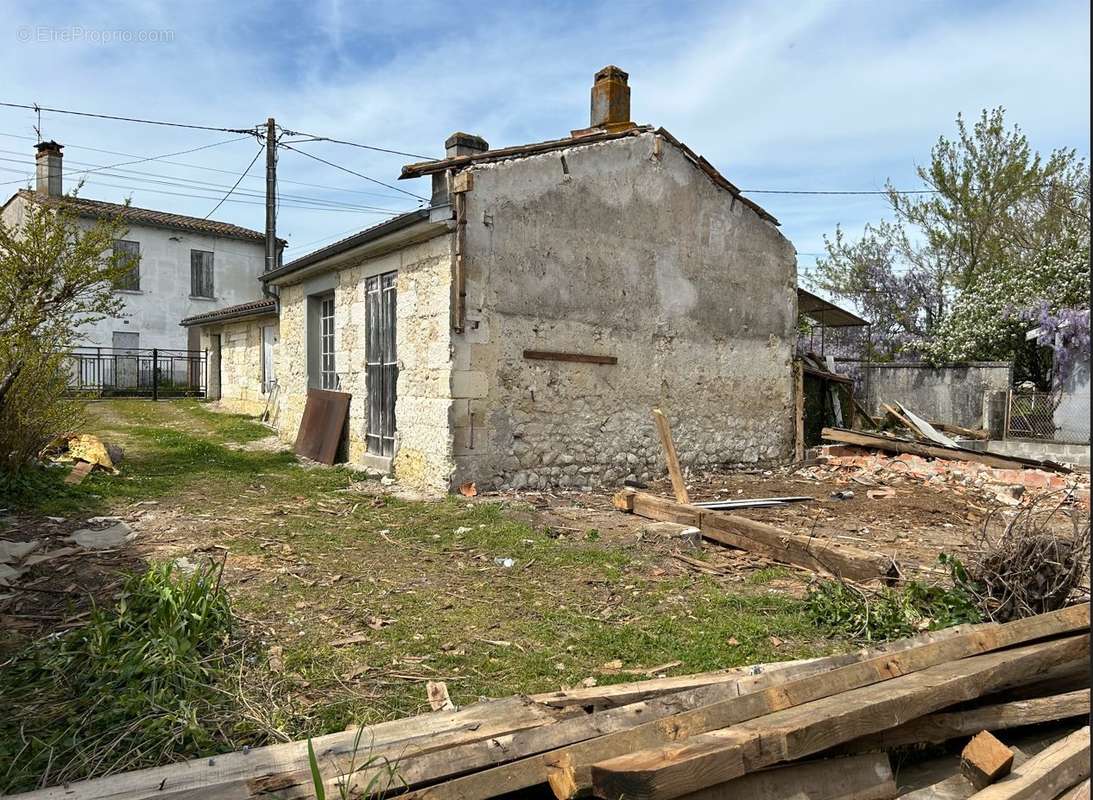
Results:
271 195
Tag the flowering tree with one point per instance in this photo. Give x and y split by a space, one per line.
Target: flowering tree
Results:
1003 231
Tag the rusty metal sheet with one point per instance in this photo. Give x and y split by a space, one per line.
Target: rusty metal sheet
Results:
321 428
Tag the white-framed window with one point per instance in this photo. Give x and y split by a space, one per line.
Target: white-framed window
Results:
201 273
128 252
269 339
328 373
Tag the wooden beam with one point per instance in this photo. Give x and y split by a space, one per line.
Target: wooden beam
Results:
937 728
1079 792
580 358
985 760
710 758
767 540
1047 773
854 778
670 457
894 445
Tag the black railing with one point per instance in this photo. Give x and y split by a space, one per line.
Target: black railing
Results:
123 372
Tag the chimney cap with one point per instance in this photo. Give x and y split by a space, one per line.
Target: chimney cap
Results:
48 147
612 72
466 141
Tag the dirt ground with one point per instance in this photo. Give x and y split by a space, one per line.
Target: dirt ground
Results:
354 594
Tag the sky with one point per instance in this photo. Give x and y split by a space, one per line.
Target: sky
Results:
803 95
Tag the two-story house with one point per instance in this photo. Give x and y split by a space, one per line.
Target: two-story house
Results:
182 265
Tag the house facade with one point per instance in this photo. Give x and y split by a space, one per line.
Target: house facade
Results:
519 331
183 266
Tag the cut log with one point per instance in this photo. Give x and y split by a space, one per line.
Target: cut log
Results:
758 537
1046 774
937 728
891 444
679 488
797 732
984 760
855 778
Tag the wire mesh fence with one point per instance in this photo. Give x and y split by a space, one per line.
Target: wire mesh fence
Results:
1044 416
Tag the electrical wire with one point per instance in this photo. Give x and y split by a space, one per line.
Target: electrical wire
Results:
237 182
352 172
313 138
37 108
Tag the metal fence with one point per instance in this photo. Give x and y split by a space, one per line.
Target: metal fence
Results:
154 373
1043 415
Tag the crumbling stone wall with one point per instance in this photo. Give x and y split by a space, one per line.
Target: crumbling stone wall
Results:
621 249
423 457
240 363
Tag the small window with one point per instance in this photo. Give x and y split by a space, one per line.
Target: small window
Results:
328 373
201 273
128 253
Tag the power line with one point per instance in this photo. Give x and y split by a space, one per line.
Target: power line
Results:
351 172
314 138
204 168
236 184
839 191
140 177
37 108
97 168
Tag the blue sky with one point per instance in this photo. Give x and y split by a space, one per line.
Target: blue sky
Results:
796 95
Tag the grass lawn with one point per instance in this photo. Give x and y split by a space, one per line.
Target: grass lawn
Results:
350 598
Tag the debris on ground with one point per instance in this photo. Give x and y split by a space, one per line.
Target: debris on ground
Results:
742 732
87 449
114 535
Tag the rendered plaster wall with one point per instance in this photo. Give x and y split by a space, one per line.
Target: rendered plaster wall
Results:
164 298
423 456
240 364
621 249
955 393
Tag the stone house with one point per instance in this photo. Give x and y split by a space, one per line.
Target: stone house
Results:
518 332
187 265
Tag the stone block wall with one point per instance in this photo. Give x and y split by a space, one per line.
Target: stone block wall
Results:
423 450
240 363
620 249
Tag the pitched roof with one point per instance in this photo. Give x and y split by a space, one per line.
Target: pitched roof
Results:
146 216
580 139
254 308
348 243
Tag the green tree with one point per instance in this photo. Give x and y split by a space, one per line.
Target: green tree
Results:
1000 230
56 274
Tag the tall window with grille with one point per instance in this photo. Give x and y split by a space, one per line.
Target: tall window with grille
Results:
128 254
381 362
328 374
201 273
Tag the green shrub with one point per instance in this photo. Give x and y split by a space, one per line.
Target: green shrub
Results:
893 613
139 685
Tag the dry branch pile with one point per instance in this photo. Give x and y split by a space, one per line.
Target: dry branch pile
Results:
818 729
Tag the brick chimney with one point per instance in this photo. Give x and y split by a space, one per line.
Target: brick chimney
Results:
48 168
611 100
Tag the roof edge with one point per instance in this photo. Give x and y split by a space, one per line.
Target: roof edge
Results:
255 308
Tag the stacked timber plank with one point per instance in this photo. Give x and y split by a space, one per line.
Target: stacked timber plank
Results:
819 729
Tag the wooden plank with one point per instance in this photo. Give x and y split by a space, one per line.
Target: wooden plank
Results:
670 457
229 775
580 358
1046 774
958 430
569 766
1079 792
854 778
797 732
895 445
985 760
767 540
937 728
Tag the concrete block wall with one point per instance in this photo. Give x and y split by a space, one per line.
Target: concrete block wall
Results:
955 393
622 249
